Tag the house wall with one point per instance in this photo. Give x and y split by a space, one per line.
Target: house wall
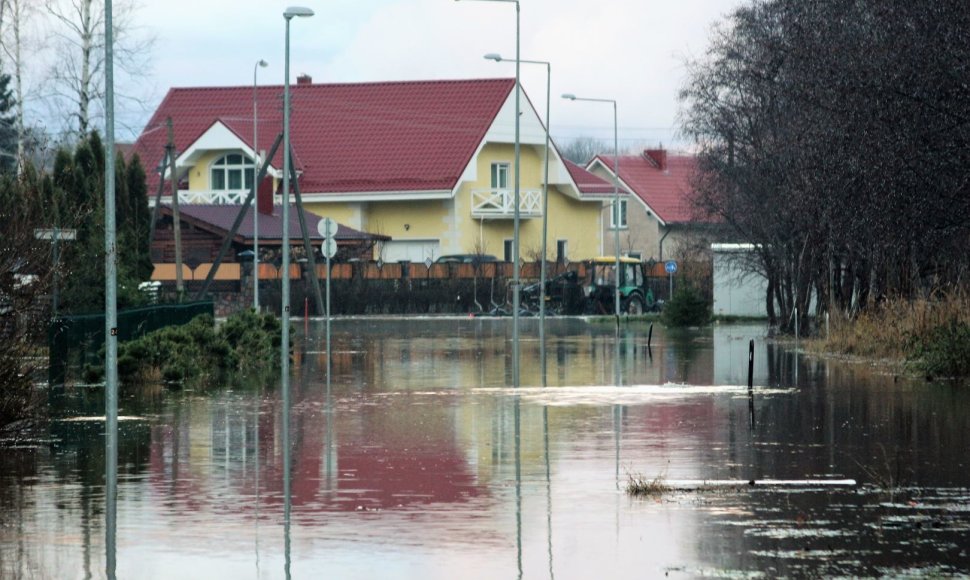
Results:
570 218
409 220
348 214
450 221
643 232
199 174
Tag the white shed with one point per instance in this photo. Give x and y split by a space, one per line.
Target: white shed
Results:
737 290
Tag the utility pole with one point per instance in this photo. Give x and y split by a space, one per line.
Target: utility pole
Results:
176 220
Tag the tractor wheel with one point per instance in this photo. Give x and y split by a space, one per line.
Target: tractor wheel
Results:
633 305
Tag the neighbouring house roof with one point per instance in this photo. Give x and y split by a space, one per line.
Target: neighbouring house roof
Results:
661 180
219 219
591 184
346 138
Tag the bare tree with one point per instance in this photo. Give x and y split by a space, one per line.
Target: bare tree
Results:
17 39
834 136
77 77
582 149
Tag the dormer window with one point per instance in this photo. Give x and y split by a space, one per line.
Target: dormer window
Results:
232 172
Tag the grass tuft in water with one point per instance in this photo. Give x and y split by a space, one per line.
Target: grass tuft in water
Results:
638 485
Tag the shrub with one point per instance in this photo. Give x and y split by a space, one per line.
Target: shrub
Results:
198 353
686 308
253 338
944 352
928 334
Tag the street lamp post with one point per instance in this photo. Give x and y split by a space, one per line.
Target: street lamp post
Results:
259 63
545 187
515 224
285 348
616 192
285 314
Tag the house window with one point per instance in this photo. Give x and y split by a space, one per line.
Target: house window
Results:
232 172
621 209
561 256
508 251
500 176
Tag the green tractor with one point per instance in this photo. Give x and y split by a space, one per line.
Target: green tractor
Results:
599 287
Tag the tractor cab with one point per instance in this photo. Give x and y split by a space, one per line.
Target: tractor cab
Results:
599 287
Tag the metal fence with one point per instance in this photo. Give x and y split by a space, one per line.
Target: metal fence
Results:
74 340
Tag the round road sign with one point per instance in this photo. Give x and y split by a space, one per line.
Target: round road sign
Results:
327 228
329 247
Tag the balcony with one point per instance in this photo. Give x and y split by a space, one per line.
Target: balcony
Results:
203 197
500 203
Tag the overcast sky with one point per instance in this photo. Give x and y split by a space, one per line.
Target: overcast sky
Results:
629 50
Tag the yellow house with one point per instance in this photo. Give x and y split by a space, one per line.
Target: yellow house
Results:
428 163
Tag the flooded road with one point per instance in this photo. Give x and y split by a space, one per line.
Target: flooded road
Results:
420 458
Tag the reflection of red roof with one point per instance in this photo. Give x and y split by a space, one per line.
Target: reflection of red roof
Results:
589 183
375 466
665 188
346 138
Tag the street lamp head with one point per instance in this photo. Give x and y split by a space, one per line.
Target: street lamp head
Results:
569 96
262 63
297 11
493 56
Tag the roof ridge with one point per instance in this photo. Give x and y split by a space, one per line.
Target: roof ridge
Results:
348 84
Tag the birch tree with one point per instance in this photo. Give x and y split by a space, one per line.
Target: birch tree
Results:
77 76
15 39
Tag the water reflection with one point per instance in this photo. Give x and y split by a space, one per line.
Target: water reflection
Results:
419 458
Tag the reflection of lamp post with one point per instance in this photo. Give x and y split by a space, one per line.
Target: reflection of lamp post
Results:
515 224
545 185
259 63
616 191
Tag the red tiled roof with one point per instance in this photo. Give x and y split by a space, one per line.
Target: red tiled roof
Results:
270 226
666 190
346 138
590 183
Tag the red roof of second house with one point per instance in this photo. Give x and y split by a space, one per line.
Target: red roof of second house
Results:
221 217
346 138
590 183
662 181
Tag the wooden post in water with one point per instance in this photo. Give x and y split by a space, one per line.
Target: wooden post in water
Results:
751 384
751 363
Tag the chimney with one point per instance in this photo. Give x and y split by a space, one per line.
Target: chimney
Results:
264 196
658 157
304 79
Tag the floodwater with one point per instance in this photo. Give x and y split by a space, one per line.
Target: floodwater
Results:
422 459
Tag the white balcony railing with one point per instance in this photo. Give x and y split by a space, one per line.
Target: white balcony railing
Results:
213 197
500 203
204 197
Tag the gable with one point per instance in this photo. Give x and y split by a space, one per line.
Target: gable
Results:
217 138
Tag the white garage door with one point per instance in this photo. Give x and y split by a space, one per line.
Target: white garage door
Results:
411 250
